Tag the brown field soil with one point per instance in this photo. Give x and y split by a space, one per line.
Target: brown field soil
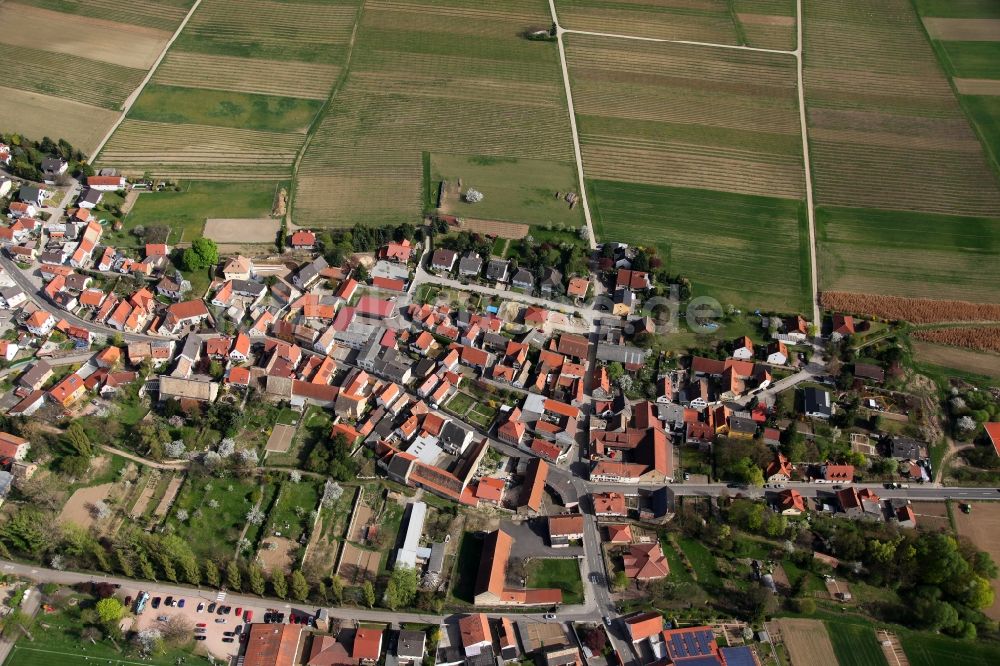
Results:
108 41
978 86
979 338
931 515
281 438
892 649
77 508
36 115
496 228
147 494
282 557
835 587
807 642
766 19
914 310
963 30
960 359
982 526
168 496
228 230
357 565
364 516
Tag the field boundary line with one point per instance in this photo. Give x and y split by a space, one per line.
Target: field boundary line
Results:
806 165
572 124
320 115
737 47
80 656
131 99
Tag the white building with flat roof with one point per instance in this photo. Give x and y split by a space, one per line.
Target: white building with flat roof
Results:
410 551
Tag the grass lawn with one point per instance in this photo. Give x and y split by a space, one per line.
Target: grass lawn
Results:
185 212
926 649
460 403
702 560
213 531
60 644
748 250
290 514
971 60
482 415
561 574
196 106
677 571
908 253
513 190
855 645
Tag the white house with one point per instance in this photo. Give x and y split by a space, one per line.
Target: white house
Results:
777 353
743 349
8 350
40 323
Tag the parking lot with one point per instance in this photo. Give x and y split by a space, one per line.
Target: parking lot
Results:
215 625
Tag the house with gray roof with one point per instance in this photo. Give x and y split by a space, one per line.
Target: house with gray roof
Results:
523 279
470 265
498 270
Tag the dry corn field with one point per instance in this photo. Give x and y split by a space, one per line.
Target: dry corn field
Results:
446 77
979 338
687 116
885 128
915 310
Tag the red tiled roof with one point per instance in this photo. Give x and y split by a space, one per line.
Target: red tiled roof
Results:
377 307
619 533
367 644
565 525
272 644
303 238
534 484
993 432
388 283
474 629
490 488
644 625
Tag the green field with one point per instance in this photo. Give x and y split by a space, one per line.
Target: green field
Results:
185 212
741 249
972 60
290 514
213 531
855 645
909 254
703 562
562 574
925 649
171 104
514 190
958 8
706 21
447 77
60 644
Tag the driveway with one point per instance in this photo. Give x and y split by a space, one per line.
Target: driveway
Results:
531 539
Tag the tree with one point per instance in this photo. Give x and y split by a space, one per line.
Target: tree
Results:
76 438
368 592
337 589
473 196
110 611
212 576
202 254
279 583
176 630
402 588
256 580
148 642
806 606
255 516
233 578
299 585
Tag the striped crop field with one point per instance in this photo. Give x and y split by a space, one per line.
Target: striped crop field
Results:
697 20
741 249
237 92
687 116
678 137
201 151
316 31
907 201
444 76
158 14
886 130
89 81
766 24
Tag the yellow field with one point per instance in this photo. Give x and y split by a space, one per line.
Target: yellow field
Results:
35 116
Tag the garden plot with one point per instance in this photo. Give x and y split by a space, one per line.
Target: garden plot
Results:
358 565
807 641
281 436
210 513
78 509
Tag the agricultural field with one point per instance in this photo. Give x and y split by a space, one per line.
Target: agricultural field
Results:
890 139
72 87
749 250
702 21
237 92
450 77
807 641
767 24
976 363
977 338
927 649
855 644
514 190
701 148
185 211
910 254
982 527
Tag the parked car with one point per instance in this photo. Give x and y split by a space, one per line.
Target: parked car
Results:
201 624
238 630
211 607
180 603
155 603
201 607
239 612
549 616
248 616
128 601
228 640
200 637
161 618
169 601
220 620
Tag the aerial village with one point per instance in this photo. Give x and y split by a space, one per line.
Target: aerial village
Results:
515 438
